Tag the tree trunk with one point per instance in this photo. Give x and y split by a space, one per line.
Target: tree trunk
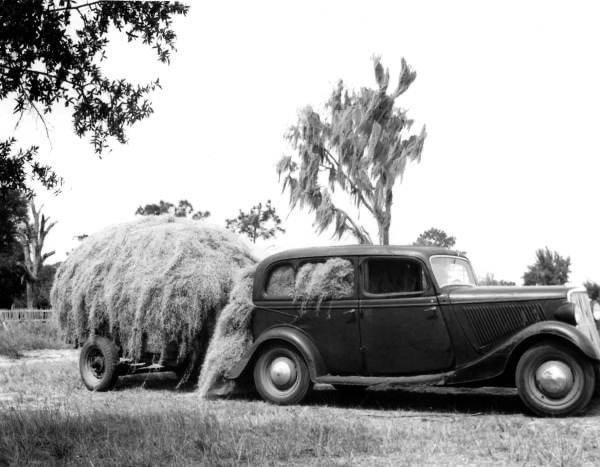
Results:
384 223
384 233
29 294
32 236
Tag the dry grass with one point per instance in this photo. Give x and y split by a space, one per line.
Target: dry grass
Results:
176 438
19 336
148 283
145 422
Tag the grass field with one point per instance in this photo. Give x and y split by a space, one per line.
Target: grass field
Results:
19 336
48 418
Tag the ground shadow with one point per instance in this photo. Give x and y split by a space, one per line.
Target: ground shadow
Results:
480 401
422 399
160 381
445 400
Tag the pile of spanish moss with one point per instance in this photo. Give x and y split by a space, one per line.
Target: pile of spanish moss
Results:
177 288
330 280
231 339
156 284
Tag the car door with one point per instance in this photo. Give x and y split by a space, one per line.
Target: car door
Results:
402 328
333 323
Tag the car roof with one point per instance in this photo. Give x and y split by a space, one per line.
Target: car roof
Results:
423 252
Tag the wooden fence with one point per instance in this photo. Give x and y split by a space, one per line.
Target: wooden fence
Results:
25 315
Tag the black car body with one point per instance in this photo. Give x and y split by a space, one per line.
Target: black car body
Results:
416 316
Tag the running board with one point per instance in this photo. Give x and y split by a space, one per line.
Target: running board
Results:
437 379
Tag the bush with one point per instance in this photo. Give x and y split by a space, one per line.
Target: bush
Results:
18 336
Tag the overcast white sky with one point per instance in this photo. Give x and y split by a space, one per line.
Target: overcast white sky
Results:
509 92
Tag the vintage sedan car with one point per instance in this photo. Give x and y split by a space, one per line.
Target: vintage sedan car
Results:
415 316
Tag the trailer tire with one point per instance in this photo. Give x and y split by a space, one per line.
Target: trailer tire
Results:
98 364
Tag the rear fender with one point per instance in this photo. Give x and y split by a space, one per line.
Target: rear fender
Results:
290 335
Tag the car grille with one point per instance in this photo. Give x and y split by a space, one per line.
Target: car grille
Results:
492 321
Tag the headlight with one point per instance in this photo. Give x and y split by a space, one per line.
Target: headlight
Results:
596 311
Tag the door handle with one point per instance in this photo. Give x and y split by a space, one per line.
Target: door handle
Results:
433 315
351 315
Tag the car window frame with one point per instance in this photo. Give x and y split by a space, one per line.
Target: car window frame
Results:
452 256
364 277
267 276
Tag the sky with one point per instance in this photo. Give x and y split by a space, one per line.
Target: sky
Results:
509 93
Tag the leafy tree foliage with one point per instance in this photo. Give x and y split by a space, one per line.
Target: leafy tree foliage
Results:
490 280
11 287
549 269
260 222
361 148
593 289
162 207
183 209
51 52
32 235
435 237
13 211
14 166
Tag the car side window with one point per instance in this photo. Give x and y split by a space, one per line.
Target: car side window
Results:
389 276
281 281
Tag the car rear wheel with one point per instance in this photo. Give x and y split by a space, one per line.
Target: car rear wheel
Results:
554 380
281 376
98 362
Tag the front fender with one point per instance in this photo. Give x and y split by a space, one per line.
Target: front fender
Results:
561 330
494 362
292 336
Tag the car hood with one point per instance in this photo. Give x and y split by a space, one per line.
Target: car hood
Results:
504 294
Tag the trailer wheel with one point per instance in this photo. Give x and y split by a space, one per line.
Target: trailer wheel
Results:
554 380
98 362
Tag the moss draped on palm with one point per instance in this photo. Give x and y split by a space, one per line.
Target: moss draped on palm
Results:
148 283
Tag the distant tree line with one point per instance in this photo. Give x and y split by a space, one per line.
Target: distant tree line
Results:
260 222
182 209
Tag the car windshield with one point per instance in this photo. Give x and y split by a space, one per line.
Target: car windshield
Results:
452 270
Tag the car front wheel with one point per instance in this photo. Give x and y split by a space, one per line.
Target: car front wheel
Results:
98 362
554 380
281 376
